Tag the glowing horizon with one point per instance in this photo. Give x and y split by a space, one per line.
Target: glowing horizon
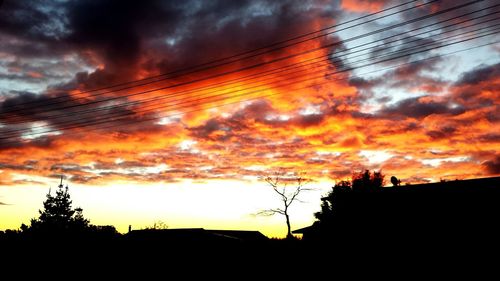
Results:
192 147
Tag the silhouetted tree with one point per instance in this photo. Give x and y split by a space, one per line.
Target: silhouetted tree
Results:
287 195
367 182
58 215
158 225
336 200
330 202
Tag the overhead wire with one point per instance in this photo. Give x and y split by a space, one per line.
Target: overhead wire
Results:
269 71
27 141
93 102
310 66
240 101
85 124
261 48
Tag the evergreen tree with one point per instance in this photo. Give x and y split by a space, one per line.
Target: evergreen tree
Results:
58 216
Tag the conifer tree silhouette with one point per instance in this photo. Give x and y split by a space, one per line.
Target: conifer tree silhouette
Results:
58 215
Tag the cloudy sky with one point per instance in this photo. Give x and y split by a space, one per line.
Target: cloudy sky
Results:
173 110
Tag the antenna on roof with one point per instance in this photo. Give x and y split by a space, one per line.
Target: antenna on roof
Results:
61 184
395 181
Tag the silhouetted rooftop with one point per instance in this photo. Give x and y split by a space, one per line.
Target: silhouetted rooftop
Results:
303 230
453 207
198 234
453 185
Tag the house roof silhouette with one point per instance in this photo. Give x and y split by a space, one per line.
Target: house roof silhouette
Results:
198 235
452 207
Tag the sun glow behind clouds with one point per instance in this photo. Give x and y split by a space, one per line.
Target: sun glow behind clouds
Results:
36 131
375 157
436 162
327 127
215 204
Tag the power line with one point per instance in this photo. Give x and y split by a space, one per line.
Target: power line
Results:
86 124
262 48
136 102
328 59
260 97
255 65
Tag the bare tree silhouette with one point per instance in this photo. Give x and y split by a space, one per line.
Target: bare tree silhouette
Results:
280 184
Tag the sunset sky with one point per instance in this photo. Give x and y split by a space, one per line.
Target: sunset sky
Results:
173 111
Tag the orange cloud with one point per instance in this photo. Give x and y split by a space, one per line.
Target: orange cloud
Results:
362 6
287 114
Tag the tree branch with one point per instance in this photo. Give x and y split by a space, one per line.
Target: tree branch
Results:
281 193
270 212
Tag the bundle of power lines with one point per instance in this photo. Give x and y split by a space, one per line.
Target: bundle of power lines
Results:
218 82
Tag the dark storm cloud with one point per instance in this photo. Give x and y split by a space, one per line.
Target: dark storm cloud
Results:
256 110
415 108
225 27
28 105
173 33
207 130
29 113
309 120
111 27
222 129
478 88
416 75
491 137
41 20
442 133
492 166
404 50
25 48
362 83
116 28
480 74
416 68
409 77
25 167
16 142
446 4
126 37
68 168
83 178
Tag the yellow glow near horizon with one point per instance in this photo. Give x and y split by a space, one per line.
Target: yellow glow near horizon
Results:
215 204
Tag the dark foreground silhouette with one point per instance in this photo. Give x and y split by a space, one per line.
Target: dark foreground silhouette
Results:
452 213
453 221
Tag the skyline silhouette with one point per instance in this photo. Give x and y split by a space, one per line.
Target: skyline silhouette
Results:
364 201
175 111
